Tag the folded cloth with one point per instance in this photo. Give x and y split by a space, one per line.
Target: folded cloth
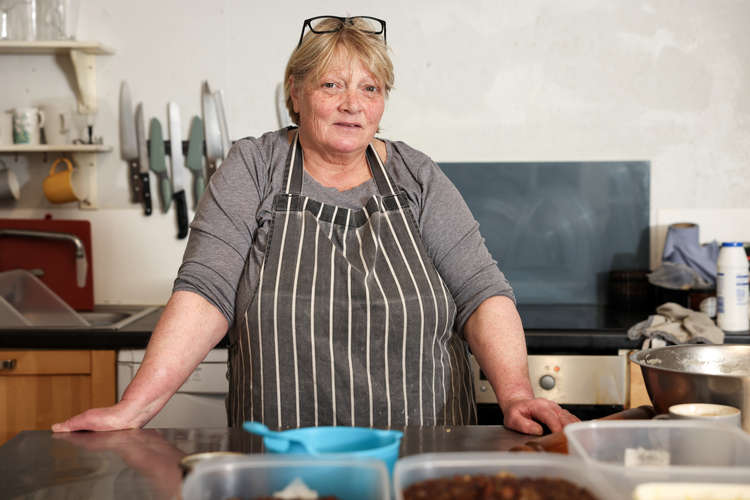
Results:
682 246
678 325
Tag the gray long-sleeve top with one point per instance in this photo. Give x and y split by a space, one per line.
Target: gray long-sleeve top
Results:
236 210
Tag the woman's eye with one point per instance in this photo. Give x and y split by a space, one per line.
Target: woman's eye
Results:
329 85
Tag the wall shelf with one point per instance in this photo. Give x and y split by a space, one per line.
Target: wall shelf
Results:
52 47
83 57
53 148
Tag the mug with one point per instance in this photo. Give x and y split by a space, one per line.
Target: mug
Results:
10 188
57 123
59 186
707 412
26 123
702 448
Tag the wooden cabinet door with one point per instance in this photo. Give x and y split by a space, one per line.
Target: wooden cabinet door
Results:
638 392
41 387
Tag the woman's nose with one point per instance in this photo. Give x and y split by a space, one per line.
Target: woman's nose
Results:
350 101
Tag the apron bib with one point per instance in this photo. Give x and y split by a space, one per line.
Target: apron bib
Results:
350 323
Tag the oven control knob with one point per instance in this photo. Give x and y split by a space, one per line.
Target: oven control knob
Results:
547 382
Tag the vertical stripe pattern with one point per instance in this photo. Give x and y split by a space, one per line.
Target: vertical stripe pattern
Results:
350 323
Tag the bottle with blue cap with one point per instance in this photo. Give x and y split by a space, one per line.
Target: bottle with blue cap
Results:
732 288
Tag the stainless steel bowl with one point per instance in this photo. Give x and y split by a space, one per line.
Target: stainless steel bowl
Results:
695 373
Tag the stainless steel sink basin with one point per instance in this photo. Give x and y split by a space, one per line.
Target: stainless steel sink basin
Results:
115 316
26 302
103 318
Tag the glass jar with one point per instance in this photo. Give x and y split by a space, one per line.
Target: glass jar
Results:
18 19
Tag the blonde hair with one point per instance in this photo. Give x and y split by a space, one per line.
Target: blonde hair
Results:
316 52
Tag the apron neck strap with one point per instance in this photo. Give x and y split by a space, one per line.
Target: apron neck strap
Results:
294 169
379 173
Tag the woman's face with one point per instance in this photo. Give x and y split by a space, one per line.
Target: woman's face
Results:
340 111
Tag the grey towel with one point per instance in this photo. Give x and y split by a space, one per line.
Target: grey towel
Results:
682 246
678 325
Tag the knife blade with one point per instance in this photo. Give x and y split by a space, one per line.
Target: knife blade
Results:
178 165
211 130
226 143
195 158
128 145
140 135
158 163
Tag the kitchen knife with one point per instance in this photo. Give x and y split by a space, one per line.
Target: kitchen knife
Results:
195 158
128 145
226 143
211 130
140 135
158 163
178 167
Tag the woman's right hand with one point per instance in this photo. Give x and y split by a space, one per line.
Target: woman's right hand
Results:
188 328
122 415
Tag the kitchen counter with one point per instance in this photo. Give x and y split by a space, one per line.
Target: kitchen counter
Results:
134 335
144 463
549 330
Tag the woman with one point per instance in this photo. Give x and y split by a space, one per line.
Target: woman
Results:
348 269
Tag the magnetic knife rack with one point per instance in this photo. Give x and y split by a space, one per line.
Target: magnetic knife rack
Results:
168 147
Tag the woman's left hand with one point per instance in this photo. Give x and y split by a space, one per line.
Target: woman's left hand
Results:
524 415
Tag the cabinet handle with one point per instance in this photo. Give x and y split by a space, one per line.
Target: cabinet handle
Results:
7 364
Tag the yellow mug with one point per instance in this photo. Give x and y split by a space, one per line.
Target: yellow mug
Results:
58 186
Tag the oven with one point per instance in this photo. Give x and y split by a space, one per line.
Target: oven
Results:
577 356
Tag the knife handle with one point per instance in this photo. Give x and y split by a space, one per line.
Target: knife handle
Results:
146 193
199 185
135 182
210 169
182 216
166 192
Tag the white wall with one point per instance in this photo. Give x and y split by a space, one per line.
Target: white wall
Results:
665 81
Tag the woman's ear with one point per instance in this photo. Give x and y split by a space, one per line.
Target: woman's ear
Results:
294 94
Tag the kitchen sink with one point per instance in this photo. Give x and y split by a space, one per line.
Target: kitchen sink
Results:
26 302
115 316
103 318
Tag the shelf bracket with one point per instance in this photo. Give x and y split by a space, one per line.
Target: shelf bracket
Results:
84 65
87 186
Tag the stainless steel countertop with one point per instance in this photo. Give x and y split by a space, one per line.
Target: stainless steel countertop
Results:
145 463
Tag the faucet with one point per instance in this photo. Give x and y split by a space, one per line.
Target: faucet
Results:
81 262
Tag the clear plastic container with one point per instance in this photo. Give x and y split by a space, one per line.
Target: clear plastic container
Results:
691 491
686 451
26 301
254 476
410 470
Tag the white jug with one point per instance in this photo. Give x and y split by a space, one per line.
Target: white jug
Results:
57 124
26 124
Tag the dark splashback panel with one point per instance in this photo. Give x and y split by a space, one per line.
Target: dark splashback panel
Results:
557 229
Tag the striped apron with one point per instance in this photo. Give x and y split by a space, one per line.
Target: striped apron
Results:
349 323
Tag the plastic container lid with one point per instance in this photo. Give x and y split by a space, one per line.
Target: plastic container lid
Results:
416 468
252 476
732 244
